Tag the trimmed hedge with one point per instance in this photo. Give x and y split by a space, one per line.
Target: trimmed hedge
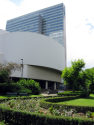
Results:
60 99
47 103
14 117
70 93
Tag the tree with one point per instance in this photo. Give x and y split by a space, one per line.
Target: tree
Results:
71 74
90 77
6 70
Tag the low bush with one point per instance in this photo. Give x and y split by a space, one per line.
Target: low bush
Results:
24 118
22 86
9 87
60 99
30 85
70 93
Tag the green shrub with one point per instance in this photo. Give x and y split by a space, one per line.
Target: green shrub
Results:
31 85
13 88
70 93
9 87
13 117
51 109
92 115
4 76
24 90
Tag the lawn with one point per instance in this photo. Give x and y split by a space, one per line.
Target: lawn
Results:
2 123
80 102
6 96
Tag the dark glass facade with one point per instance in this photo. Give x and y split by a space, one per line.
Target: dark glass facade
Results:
48 21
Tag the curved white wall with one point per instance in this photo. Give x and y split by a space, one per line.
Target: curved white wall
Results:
34 49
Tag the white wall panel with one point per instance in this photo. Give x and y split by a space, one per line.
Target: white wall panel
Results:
34 49
43 57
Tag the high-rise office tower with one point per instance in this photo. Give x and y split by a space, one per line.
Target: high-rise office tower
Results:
49 21
43 57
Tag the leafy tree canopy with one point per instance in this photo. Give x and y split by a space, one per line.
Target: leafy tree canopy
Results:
71 74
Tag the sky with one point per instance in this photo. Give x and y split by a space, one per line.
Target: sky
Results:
79 24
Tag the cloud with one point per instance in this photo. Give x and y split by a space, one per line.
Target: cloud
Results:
80 38
7 10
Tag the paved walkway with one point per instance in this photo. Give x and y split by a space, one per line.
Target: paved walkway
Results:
49 94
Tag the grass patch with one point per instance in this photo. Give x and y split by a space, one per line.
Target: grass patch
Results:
3 97
6 96
80 102
2 123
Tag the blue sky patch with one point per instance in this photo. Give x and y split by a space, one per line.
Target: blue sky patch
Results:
17 2
91 26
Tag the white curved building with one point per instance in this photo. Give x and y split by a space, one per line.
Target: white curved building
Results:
43 58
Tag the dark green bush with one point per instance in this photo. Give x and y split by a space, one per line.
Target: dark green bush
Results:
4 76
31 85
24 118
12 88
70 93
9 87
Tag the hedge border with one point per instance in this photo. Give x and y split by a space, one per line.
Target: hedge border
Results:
47 103
15 117
70 93
24 97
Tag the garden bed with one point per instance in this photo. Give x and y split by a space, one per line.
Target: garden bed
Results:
44 112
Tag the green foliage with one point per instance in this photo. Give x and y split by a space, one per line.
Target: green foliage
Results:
70 93
24 118
78 65
5 71
70 75
13 88
51 109
9 87
67 76
78 79
3 123
92 115
90 77
30 85
17 117
22 86
55 102
88 113
47 103
4 76
54 111
86 81
86 89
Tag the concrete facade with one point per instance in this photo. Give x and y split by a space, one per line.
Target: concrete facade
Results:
43 57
